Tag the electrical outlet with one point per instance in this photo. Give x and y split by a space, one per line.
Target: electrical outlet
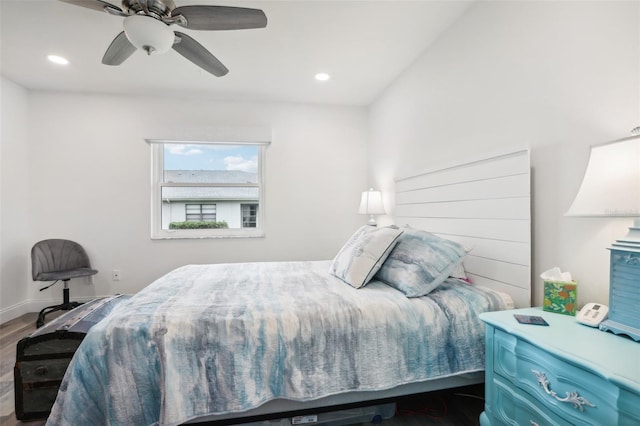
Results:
115 275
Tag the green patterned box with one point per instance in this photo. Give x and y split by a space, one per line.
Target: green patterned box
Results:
560 297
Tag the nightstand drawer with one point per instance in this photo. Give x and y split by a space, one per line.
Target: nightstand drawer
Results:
572 393
511 408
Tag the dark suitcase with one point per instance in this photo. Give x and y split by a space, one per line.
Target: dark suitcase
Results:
43 356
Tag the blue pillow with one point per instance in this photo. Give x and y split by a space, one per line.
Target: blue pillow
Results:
420 262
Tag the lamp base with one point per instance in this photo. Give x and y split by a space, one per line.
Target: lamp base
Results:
619 328
631 241
624 281
372 221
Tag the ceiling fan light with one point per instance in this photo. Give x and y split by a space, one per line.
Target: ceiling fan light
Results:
148 34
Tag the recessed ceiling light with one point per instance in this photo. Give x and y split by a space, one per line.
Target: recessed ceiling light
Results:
58 60
322 76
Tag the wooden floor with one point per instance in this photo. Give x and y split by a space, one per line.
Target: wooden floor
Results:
459 407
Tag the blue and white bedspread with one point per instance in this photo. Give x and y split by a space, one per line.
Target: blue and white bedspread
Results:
214 339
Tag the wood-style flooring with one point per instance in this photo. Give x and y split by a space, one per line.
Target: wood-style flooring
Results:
458 407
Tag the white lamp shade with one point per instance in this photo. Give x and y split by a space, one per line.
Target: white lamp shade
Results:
371 203
148 34
611 184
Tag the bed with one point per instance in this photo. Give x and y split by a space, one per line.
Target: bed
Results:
233 341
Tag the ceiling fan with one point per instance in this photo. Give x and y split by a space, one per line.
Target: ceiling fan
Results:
147 27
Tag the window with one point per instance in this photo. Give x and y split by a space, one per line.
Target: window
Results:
249 215
207 189
200 212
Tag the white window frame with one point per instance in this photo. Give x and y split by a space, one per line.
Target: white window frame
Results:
157 169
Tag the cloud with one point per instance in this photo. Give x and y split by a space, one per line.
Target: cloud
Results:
241 163
184 150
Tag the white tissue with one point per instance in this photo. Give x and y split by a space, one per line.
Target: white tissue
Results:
555 274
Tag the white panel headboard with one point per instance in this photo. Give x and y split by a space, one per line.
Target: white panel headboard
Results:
483 204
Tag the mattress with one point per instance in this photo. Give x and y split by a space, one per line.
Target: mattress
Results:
227 338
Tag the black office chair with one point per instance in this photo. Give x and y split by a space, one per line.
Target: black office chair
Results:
59 260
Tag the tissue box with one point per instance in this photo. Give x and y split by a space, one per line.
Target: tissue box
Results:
560 297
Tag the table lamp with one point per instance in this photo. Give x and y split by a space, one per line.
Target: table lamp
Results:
611 187
371 204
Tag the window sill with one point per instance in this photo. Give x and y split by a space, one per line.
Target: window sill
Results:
199 234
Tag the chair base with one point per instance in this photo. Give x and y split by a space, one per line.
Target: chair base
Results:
62 307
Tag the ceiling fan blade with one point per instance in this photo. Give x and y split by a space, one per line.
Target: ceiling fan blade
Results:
118 51
93 4
196 53
220 17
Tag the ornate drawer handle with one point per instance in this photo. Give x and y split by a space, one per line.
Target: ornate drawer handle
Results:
572 397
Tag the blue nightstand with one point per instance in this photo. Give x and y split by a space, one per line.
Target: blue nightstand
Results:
563 374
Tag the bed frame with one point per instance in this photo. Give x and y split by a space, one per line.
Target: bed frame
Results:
485 205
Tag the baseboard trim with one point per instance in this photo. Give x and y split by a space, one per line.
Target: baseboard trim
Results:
14 311
34 305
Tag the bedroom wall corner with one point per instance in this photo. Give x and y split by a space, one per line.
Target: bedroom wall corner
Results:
555 77
14 208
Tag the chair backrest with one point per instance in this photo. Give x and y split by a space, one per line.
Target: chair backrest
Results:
55 255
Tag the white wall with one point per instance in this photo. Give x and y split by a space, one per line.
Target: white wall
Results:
14 206
88 159
554 76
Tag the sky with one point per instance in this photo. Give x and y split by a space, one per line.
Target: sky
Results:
211 157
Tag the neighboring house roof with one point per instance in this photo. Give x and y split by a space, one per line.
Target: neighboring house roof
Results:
210 193
210 176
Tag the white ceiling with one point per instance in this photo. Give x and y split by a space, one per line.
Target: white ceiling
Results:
364 45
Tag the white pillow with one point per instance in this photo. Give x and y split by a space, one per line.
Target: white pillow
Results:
363 254
459 272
